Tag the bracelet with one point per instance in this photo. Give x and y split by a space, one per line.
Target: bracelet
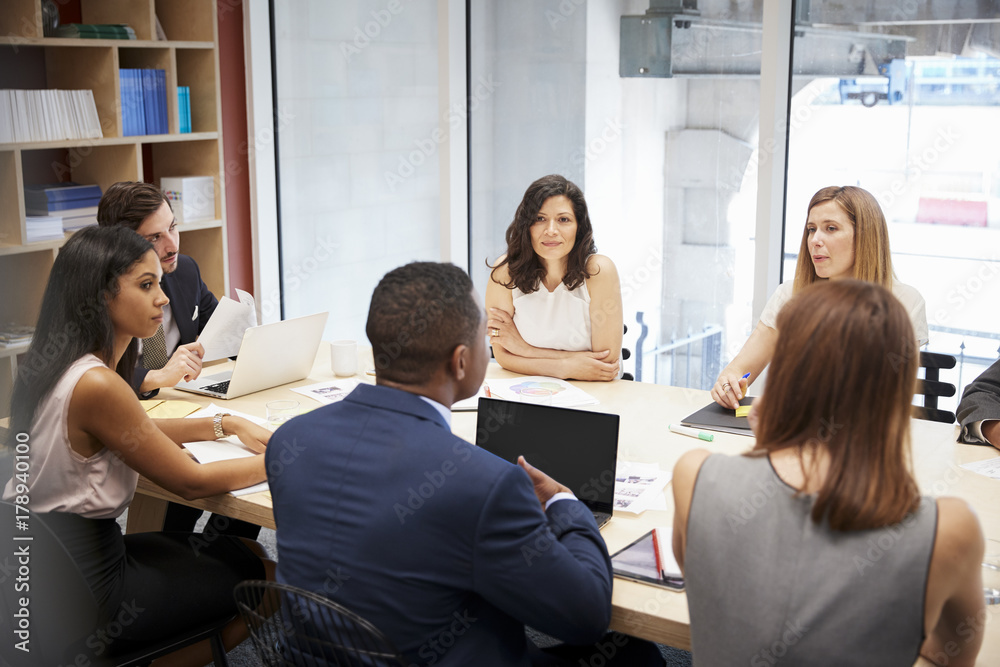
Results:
217 424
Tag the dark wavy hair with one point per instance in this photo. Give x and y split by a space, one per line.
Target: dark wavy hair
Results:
526 272
419 314
74 320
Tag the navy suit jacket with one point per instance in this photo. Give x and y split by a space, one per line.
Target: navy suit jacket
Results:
980 400
191 305
441 545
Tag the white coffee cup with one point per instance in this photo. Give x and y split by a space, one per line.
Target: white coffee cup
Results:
344 357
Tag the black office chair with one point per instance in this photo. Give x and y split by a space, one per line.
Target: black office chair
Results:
931 388
291 627
626 353
63 612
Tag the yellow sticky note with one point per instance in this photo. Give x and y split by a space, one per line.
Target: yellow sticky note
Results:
743 410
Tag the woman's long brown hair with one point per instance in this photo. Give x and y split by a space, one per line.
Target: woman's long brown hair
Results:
842 379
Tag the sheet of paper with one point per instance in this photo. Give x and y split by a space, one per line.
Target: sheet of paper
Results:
989 467
225 449
247 300
223 334
329 391
172 409
540 390
639 487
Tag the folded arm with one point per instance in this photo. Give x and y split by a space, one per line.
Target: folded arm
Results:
515 354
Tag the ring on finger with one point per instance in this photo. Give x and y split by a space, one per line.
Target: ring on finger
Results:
494 332
726 386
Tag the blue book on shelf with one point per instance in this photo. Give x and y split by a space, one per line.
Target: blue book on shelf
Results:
133 117
161 97
43 195
149 101
184 108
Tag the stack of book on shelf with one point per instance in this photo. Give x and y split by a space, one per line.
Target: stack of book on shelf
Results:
12 335
184 108
72 206
95 31
48 115
144 101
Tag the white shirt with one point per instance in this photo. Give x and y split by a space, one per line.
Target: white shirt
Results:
908 296
556 320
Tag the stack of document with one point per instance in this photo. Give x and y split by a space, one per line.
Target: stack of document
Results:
43 228
48 115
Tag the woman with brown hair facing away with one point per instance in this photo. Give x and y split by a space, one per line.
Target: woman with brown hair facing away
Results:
845 236
840 561
554 305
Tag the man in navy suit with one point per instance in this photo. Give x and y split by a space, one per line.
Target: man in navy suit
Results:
447 549
144 208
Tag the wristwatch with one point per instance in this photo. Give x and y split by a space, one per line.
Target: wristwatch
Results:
217 424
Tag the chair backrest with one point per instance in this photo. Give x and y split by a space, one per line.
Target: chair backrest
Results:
931 387
292 627
62 613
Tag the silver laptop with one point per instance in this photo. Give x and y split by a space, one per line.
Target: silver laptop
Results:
270 355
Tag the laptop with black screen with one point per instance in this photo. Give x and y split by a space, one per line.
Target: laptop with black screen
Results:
577 448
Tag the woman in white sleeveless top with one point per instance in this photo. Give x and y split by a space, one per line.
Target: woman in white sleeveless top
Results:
554 305
90 439
816 547
845 236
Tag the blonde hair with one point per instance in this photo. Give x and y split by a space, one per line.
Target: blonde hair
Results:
872 257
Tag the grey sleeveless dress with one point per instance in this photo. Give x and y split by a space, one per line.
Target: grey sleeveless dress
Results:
767 586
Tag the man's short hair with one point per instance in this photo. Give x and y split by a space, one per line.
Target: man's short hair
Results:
419 313
128 203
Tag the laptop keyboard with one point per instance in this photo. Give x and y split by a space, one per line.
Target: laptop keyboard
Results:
218 387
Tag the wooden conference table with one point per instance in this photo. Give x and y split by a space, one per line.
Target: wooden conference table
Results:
641 610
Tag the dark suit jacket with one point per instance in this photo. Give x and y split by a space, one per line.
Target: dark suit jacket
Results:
191 305
441 545
980 400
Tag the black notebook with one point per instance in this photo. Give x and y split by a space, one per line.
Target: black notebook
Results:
714 417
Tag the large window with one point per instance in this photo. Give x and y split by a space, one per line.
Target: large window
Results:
917 126
663 161
357 94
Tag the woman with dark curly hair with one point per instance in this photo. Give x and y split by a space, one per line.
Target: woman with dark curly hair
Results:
554 304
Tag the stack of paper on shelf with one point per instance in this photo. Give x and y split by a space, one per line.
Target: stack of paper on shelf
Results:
48 115
12 335
43 228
